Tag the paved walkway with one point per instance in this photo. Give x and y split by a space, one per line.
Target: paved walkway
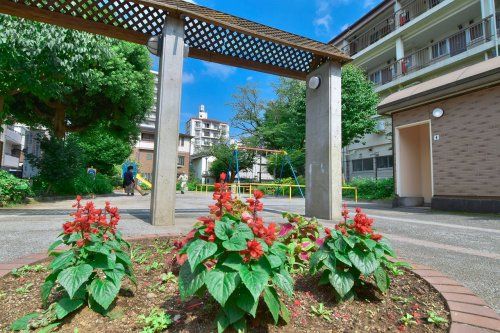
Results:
464 246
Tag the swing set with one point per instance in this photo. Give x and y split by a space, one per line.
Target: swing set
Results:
285 160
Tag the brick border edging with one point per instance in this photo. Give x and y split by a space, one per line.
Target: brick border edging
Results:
469 313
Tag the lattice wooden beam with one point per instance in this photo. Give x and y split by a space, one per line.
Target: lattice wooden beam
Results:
211 35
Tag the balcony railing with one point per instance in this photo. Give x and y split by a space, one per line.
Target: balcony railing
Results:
10 161
389 24
466 39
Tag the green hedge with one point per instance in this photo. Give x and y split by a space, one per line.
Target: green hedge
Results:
371 189
12 189
82 184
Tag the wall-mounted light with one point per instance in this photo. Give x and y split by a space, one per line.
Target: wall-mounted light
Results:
437 113
314 82
154 45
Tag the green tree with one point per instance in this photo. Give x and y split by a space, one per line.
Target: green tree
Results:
70 81
282 126
225 161
103 150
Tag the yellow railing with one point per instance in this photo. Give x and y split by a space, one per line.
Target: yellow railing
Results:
246 188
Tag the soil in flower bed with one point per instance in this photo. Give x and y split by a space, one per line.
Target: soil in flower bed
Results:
371 312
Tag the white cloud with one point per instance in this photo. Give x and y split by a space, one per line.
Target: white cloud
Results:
369 3
190 1
249 78
217 70
187 78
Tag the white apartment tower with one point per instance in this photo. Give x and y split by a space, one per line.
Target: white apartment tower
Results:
205 132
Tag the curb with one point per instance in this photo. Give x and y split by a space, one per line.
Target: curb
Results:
469 313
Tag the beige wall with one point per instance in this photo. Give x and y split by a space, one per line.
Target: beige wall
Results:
466 158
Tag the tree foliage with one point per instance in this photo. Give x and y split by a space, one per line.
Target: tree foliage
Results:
69 81
282 124
224 162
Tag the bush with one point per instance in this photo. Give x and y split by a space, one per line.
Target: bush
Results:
237 260
90 271
300 235
12 189
351 253
87 184
371 189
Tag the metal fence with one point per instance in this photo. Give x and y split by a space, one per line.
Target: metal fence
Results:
389 23
462 41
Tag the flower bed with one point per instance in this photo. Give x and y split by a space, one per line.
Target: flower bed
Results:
231 272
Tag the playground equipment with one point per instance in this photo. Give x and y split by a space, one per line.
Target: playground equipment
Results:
284 160
141 179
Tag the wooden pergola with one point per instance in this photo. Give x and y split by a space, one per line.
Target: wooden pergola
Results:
217 37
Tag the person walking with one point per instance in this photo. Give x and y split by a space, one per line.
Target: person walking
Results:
129 181
183 180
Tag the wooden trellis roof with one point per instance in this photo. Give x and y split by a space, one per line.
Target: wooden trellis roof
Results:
211 35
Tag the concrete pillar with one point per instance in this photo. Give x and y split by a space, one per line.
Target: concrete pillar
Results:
324 144
400 49
167 123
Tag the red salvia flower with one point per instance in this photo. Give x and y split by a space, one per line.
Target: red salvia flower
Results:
254 251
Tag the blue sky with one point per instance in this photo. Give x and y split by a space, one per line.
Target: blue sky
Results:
213 84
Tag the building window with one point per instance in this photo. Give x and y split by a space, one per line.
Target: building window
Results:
147 137
375 77
365 164
149 156
476 31
439 49
385 162
206 133
198 124
181 142
180 160
207 125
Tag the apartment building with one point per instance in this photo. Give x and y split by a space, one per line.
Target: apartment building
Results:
205 132
144 149
11 144
406 42
435 65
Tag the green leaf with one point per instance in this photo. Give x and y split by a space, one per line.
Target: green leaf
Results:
22 323
366 263
382 279
349 241
103 292
341 281
116 275
54 245
236 243
98 248
73 277
49 328
221 284
62 260
284 281
324 278
233 261
330 261
123 258
280 250
47 286
222 322
255 281
240 326
190 282
200 250
74 237
273 303
316 258
102 261
65 306
232 311
274 260
264 245
284 312
370 243
244 231
343 258
246 302
223 230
